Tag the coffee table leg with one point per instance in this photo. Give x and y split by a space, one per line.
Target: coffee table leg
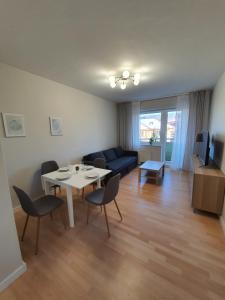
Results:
157 177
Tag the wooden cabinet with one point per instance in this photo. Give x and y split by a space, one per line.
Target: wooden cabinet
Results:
208 188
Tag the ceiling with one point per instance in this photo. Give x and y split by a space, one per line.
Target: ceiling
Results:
176 45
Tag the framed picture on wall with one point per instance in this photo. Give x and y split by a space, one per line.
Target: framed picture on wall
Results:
14 125
56 126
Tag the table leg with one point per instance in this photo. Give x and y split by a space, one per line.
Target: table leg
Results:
69 195
47 187
99 183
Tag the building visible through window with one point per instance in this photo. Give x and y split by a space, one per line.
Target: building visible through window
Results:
150 127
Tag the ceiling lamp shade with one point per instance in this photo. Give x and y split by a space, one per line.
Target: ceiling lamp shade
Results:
136 79
123 85
126 74
124 79
112 81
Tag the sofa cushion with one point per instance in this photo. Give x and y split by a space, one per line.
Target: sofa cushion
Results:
95 155
120 163
110 155
119 151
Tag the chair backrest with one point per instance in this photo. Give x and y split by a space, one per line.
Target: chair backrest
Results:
111 189
100 163
25 202
49 166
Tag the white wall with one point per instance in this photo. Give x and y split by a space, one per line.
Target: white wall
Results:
217 119
11 264
89 124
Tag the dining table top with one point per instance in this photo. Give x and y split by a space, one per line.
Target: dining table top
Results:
78 179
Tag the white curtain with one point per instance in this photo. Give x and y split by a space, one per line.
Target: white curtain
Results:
135 125
182 115
199 107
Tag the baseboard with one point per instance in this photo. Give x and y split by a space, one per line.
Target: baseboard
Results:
222 222
13 276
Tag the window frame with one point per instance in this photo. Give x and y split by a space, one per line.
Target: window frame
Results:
163 128
145 143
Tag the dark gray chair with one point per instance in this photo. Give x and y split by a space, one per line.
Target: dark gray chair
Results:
103 196
48 167
97 163
100 163
38 208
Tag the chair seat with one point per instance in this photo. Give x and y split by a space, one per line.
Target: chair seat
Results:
47 204
95 197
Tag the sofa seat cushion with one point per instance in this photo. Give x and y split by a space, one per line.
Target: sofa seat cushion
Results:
120 163
95 155
119 151
110 155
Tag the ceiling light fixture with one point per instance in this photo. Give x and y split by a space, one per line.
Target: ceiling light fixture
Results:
124 79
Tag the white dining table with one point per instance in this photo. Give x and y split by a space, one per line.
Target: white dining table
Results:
78 179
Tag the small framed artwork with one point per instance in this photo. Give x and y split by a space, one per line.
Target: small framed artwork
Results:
14 125
56 126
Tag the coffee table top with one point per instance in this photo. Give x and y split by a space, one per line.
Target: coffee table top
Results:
152 165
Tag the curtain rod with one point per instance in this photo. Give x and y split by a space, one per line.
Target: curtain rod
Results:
171 96
179 94
176 95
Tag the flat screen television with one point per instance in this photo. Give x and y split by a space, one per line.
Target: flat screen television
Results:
216 151
203 148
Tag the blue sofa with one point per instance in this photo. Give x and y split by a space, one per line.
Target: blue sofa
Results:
118 160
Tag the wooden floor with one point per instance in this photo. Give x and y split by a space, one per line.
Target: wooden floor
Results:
162 250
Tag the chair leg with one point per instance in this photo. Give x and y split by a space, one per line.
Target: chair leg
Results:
88 210
82 193
60 190
118 210
55 191
37 235
25 227
51 215
106 220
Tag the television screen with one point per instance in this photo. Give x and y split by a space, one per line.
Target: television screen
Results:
203 148
216 151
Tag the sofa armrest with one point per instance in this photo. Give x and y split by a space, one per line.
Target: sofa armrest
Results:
130 153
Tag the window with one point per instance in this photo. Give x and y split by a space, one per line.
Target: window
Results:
161 126
150 127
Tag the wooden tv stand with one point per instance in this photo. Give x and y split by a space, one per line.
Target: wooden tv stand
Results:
208 187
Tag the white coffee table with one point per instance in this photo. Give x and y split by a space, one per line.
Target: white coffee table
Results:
155 168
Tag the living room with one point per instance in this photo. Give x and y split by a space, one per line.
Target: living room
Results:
134 125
